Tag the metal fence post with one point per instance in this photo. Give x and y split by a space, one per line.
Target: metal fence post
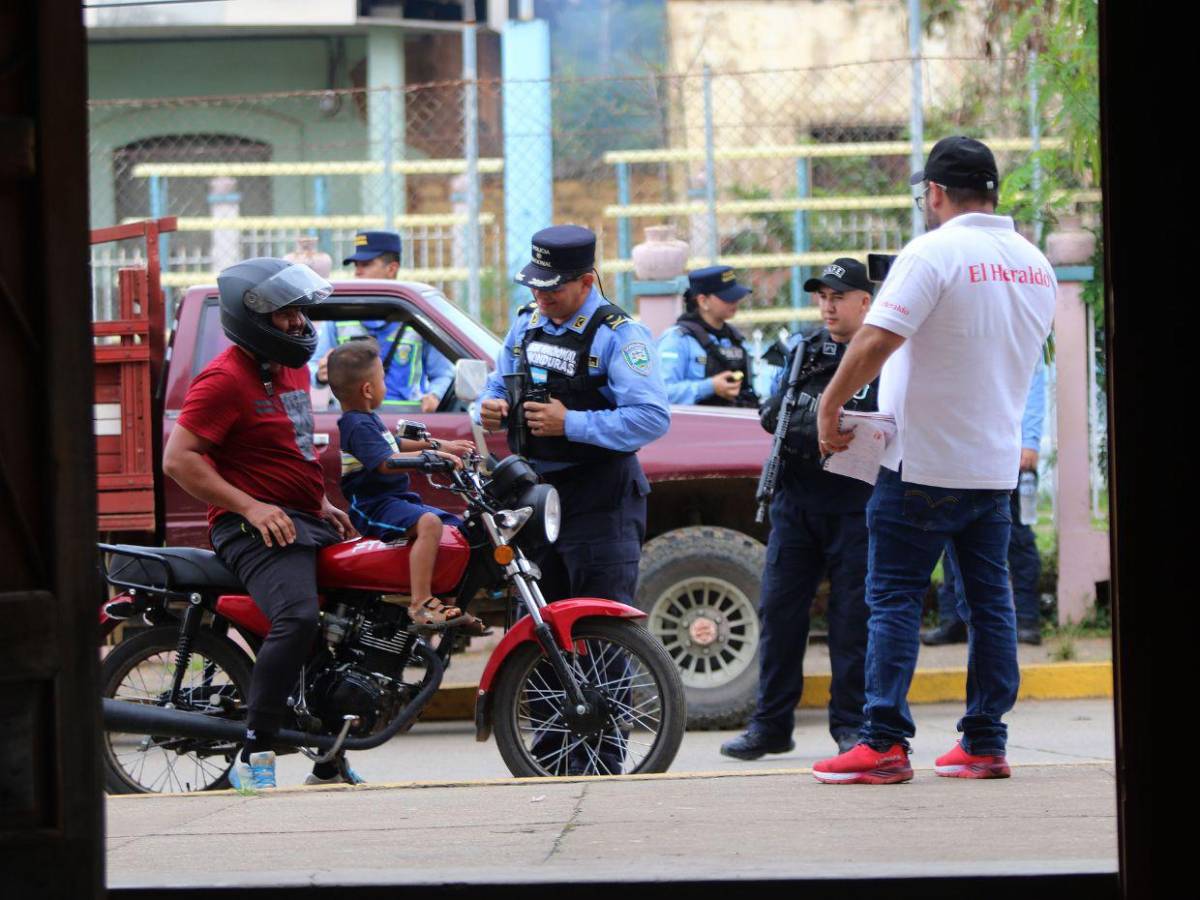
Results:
321 208
916 118
800 228
710 169
389 154
158 209
1035 140
624 243
471 148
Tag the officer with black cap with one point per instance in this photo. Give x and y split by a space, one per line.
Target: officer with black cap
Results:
578 385
415 373
704 357
818 527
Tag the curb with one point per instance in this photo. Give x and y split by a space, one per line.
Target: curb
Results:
1043 681
545 780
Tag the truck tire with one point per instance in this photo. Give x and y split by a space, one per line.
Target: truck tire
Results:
699 587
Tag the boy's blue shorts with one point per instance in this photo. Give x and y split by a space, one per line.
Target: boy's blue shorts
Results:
390 518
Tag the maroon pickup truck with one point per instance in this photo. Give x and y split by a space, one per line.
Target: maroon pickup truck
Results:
703 560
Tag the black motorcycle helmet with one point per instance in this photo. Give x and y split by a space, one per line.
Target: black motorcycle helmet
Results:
253 289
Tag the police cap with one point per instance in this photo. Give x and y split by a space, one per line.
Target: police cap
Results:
561 253
843 274
370 244
718 281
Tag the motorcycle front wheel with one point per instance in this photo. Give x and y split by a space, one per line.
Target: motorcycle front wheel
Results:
635 713
140 670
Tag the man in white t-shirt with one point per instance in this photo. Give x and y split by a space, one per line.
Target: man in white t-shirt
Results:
959 322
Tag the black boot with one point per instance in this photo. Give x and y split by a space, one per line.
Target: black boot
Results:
947 633
755 743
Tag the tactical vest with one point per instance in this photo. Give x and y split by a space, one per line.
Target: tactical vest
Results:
719 358
822 355
564 361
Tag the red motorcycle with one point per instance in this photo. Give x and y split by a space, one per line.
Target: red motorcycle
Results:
574 687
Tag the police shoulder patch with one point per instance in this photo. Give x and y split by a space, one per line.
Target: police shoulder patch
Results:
637 357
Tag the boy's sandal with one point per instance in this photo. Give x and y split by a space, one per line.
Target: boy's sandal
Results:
435 615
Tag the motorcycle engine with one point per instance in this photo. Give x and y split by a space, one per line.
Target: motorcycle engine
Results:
370 649
346 692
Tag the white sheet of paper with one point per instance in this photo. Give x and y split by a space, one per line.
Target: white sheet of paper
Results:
872 433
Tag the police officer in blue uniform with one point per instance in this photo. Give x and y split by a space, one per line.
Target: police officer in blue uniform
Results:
416 374
601 399
579 387
818 525
704 357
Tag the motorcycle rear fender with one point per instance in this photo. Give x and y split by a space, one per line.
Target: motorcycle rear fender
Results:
561 616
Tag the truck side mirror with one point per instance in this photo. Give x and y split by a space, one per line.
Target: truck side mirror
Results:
470 377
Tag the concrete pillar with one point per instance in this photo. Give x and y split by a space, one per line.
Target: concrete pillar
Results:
384 194
528 145
1083 557
658 266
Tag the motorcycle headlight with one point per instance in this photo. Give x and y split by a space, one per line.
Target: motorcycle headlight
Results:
547 510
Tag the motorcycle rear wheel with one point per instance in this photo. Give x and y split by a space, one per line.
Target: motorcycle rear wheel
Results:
627 675
140 670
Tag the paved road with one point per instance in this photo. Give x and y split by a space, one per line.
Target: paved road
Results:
710 817
1044 731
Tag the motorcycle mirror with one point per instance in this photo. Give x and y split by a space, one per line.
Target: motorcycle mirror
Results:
470 376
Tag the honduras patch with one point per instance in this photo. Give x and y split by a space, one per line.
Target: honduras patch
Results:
637 357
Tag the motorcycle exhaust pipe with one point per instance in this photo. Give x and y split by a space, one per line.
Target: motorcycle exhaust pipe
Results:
141 718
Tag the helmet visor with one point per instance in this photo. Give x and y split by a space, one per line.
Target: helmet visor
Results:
296 285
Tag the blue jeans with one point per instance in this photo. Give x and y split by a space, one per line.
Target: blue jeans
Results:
1024 565
910 525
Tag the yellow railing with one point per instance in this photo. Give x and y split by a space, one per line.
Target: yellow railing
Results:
267 223
812 151
326 167
793 204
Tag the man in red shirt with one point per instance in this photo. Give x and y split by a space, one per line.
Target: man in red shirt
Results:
244 445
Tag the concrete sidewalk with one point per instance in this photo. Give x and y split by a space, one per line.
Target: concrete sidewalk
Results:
940 677
781 823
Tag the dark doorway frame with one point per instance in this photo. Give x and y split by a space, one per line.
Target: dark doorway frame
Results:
51 814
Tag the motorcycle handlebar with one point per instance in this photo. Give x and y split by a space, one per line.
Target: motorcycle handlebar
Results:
426 462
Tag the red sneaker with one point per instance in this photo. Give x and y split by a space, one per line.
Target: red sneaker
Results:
958 763
863 765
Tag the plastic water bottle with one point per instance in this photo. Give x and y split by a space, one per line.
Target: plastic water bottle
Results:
1027 489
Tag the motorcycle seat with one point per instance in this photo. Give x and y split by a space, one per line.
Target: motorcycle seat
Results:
180 568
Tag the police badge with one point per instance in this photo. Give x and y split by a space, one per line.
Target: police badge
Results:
637 357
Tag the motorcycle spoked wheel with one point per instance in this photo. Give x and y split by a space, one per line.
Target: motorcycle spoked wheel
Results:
140 670
627 675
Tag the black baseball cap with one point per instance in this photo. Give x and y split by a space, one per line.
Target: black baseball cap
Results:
843 274
962 162
720 281
561 253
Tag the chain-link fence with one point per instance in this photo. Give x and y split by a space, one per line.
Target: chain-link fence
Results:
772 171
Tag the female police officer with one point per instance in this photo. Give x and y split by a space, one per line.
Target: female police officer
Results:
704 357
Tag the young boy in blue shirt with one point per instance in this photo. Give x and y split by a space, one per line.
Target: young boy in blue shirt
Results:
381 505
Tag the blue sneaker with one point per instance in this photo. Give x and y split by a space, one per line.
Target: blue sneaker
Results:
350 777
257 775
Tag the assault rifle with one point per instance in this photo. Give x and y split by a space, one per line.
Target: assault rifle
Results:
768 481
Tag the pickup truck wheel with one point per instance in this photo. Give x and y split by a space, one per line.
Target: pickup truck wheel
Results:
699 587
